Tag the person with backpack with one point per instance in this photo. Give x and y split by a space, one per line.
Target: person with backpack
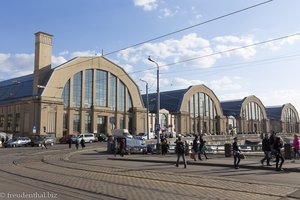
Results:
180 151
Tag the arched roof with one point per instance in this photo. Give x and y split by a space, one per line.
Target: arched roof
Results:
176 101
61 74
276 112
234 107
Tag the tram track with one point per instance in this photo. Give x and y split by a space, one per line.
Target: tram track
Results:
60 165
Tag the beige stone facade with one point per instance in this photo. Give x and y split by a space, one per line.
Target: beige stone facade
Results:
62 101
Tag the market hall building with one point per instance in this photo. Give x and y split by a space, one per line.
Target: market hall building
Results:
85 94
194 110
283 119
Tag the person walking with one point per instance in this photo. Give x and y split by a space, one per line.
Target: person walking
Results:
122 147
266 147
70 142
296 147
77 142
202 149
180 151
236 153
195 147
278 144
82 143
44 143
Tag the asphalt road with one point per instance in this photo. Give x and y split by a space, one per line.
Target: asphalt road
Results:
63 173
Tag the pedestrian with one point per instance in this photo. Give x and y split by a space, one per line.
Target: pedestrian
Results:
179 149
296 147
82 143
202 148
122 147
278 145
236 153
115 143
186 148
272 141
44 143
77 142
164 146
195 148
266 147
70 142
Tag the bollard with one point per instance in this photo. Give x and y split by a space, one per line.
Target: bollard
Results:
228 150
287 151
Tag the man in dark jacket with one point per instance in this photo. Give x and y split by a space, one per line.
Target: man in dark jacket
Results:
266 147
180 150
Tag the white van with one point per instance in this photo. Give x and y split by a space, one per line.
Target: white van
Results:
121 133
88 137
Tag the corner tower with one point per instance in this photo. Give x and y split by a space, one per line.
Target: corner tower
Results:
42 60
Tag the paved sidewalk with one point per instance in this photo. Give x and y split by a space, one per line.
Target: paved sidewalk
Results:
215 160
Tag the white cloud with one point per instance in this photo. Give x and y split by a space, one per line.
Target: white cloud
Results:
226 83
58 60
226 43
83 53
276 45
184 83
173 50
147 5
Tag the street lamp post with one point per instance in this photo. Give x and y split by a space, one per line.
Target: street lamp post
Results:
147 102
157 126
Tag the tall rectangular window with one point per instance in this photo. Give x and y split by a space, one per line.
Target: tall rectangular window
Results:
66 94
121 97
113 92
88 86
101 124
76 123
88 123
129 102
77 88
101 88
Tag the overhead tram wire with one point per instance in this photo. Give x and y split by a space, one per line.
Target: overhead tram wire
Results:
190 27
239 65
180 30
230 50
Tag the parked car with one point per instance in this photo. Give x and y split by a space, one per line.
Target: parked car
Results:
49 140
36 141
102 137
65 139
17 142
88 137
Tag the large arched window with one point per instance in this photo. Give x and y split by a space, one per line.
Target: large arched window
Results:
202 112
66 94
290 120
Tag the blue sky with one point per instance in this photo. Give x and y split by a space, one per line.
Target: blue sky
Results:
88 27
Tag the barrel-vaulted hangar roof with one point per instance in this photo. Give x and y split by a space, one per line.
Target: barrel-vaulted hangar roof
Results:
234 107
177 100
276 112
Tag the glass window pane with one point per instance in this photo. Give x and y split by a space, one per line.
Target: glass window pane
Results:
88 86
101 88
113 92
77 88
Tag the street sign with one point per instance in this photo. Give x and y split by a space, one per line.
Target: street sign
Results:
34 130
